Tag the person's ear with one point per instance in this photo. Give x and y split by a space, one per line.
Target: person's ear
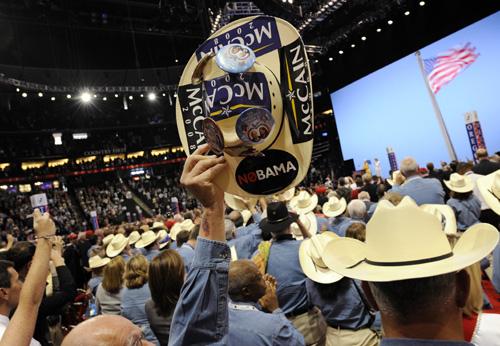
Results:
4 293
369 295
462 288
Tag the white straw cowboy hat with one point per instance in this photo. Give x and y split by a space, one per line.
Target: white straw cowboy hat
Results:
157 225
311 253
147 238
303 203
405 242
117 245
459 183
285 196
246 215
310 223
163 238
97 262
239 203
107 239
489 187
395 176
334 207
186 225
443 211
247 92
134 237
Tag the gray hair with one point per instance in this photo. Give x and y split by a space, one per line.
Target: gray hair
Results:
408 167
364 196
356 209
229 228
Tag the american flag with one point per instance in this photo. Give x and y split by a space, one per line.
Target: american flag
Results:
446 66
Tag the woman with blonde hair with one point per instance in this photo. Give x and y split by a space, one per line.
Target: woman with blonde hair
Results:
109 292
135 295
166 277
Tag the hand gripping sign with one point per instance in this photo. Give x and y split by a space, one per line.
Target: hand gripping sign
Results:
247 92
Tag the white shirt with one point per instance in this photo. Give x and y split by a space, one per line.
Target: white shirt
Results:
474 177
4 322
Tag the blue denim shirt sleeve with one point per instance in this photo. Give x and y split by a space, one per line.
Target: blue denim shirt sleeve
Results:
496 268
201 316
287 335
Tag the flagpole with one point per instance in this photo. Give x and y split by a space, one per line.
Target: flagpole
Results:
437 111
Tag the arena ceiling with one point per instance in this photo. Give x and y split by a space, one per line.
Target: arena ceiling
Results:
141 34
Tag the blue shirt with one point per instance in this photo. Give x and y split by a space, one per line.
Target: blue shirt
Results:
335 223
345 225
250 326
247 245
496 268
284 265
132 308
422 342
467 211
246 230
342 306
150 254
423 191
93 283
322 222
187 253
201 314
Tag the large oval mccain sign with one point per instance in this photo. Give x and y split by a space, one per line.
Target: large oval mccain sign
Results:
267 174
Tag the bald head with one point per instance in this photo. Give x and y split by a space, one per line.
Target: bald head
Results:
245 281
236 217
105 330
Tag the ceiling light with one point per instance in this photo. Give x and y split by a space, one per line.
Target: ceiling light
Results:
68 96
52 98
363 38
379 30
330 59
151 96
353 45
176 60
18 90
24 95
163 94
85 97
130 97
116 95
142 95
421 3
95 96
407 13
104 98
330 3
40 94
341 52
390 22
290 1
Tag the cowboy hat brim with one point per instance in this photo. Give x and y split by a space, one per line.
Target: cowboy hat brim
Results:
309 208
347 257
111 252
239 204
104 261
450 226
334 213
484 184
463 189
313 226
143 243
312 271
266 226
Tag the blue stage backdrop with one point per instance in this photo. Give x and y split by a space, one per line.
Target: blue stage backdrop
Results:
391 107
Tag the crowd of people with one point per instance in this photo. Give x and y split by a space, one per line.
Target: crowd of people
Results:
349 261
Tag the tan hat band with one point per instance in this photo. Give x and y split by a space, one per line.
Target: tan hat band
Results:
404 263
